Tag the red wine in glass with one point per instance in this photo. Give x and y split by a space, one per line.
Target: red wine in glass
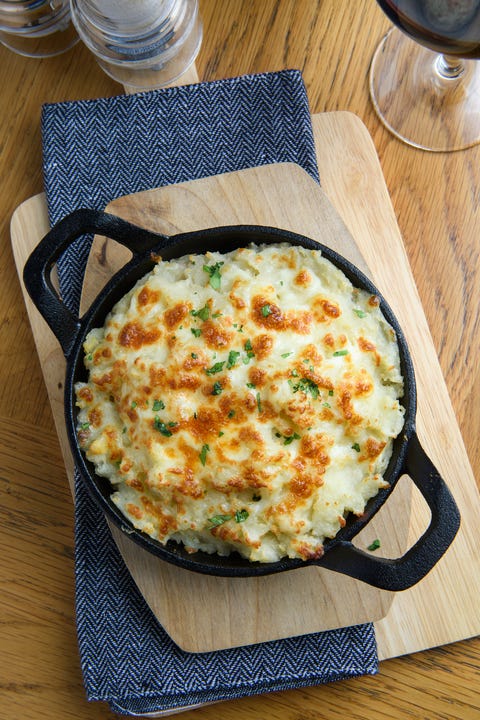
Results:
425 77
451 27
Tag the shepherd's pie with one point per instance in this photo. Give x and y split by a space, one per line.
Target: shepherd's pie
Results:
245 401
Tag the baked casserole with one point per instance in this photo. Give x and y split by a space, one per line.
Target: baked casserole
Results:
245 401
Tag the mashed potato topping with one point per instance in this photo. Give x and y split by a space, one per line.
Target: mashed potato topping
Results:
243 401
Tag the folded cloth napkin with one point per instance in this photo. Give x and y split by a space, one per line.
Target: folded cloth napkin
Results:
95 151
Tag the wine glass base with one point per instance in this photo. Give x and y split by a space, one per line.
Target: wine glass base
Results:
417 103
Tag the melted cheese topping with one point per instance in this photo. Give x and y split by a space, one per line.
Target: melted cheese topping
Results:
245 401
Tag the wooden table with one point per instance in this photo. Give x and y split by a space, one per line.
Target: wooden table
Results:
436 198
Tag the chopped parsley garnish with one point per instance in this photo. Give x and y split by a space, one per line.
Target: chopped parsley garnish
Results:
360 313
217 520
231 413
241 515
85 425
249 349
266 310
158 405
327 405
259 402
216 368
203 313
374 545
217 389
256 498
233 356
307 386
196 331
133 405
251 386
194 356
214 272
162 427
288 438
330 392
338 353
203 454
285 355
356 447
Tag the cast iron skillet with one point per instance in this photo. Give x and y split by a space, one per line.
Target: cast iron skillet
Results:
408 456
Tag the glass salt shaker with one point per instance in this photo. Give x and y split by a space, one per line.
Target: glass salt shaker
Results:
36 28
142 44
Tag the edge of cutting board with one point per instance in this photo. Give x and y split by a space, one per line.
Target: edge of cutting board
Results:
413 621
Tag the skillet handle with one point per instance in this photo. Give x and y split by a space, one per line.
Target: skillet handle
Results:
37 271
403 572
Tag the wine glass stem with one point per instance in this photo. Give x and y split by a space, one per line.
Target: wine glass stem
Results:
450 67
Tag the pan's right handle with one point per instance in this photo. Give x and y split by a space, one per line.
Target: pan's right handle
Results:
401 573
37 271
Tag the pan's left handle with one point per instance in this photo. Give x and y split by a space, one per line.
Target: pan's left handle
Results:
38 268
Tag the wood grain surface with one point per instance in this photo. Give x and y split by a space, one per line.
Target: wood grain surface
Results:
436 202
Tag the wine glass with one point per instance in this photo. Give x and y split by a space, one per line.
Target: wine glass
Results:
424 80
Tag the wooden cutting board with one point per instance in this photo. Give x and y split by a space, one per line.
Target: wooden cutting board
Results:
202 613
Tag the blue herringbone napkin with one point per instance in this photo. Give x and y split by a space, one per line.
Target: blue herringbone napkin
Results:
95 151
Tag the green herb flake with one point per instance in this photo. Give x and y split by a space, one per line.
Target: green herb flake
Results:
290 438
307 386
203 454
266 310
231 414
214 273
285 355
217 389
339 353
360 313
217 520
233 356
85 426
251 386
259 402
194 356
326 405
196 331
158 405
374 545
256 498
216 368
162 427
356 447
133 405
330 392
241 515
249 349
203 313
221 433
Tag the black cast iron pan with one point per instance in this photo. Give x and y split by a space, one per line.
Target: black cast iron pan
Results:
408 456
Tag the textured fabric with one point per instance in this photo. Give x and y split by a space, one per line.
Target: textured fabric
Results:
95 151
